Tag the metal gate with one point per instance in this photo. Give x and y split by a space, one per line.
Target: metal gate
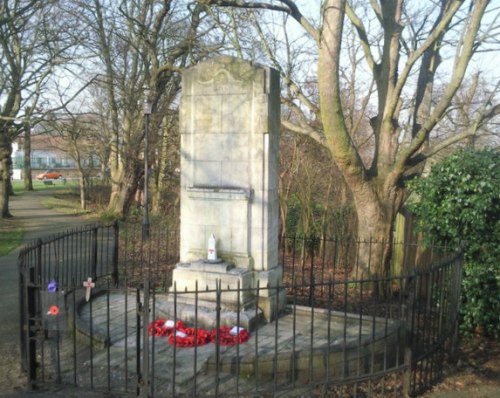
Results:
62 280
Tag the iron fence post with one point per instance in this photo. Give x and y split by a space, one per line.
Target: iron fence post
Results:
22 311
138 341
218 308
116 248
32 329
408 328
145 343
94 254
456 288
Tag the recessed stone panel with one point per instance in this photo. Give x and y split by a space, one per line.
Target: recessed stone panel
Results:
207 117
233 174
234 109
207 173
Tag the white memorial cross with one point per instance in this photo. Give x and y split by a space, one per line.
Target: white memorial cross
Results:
89 285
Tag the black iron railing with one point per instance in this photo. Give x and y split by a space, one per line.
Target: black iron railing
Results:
344 329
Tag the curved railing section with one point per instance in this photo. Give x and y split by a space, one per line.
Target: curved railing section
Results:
99 310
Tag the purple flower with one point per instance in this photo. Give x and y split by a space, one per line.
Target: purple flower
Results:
52 286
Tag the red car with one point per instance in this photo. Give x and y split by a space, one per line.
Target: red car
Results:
49 175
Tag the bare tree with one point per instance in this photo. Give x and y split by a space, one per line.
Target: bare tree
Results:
74 134
139 49
33 43
402 55
166 176
471 118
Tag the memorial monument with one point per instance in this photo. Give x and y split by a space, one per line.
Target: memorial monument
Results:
229 127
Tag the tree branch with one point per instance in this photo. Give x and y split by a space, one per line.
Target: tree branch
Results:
363 37
305 130
377 10
287 6
465 50
294 88
340 143
433 37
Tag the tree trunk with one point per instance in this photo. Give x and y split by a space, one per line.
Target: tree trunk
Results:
83 192
284 194
5 170
28 180
375 192
159 172
124 188
376 214
83 185
324 217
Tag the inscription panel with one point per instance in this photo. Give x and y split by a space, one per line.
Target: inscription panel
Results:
220 140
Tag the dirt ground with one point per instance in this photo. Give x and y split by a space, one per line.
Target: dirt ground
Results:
474 372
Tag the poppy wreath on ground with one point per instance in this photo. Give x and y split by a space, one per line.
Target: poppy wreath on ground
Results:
189 337
161 327
230 336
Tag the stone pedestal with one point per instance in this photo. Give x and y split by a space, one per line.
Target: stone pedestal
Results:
206 277
229 124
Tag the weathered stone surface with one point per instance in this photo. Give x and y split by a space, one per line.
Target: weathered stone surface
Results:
229 161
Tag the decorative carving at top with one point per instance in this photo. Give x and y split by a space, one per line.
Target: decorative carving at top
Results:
228 76
225 75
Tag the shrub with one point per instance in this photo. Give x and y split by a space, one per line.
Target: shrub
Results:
459 203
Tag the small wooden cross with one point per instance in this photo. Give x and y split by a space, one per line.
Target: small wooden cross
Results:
89 285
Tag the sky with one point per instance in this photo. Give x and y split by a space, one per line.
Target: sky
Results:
486 62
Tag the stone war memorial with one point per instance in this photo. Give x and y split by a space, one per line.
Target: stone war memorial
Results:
94 315
229 125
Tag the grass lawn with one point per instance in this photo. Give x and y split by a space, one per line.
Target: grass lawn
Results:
42 185
11 234
65 202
